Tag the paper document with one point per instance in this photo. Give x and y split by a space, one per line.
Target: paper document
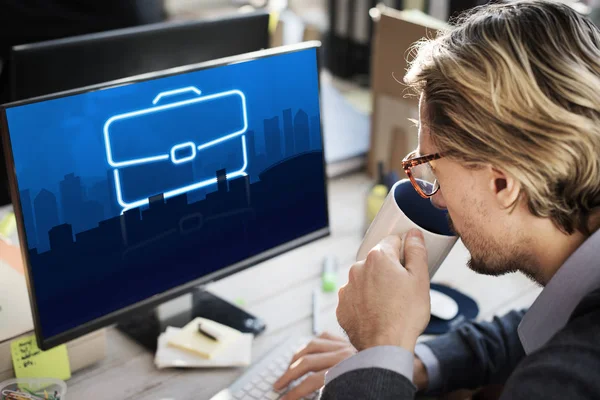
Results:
237 353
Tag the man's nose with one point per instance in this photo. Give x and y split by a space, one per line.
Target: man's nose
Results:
438 200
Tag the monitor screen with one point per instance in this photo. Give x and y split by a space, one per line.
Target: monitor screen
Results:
133 192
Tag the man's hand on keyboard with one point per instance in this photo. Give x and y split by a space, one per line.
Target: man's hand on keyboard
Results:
321 354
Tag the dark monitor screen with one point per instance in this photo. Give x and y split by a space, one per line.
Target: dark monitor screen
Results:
131 194
64 64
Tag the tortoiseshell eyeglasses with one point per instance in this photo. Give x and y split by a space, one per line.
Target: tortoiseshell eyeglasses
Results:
421 173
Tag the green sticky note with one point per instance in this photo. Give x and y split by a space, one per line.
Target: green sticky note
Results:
30 362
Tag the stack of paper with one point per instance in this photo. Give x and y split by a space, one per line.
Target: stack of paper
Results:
186 347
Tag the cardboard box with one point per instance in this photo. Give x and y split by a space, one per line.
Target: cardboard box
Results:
393 135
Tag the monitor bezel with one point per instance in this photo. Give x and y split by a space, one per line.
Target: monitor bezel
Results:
149 303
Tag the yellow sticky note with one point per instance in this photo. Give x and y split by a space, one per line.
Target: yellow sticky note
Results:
8 224
30 362
273 21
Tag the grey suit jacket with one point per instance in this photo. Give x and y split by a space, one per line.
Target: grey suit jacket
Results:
478 354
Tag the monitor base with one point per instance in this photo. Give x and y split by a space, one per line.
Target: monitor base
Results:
144 328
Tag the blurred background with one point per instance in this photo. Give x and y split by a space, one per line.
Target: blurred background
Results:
365 42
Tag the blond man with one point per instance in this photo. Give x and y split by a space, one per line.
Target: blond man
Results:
509 140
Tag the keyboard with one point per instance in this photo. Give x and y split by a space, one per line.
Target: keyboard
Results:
257 381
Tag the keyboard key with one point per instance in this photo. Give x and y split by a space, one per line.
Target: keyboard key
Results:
258 383
264 386
265 373
272 396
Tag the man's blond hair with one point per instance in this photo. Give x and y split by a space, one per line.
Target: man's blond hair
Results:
517 86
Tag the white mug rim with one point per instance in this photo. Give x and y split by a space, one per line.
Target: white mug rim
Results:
393 194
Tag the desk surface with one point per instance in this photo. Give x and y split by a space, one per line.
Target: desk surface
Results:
279 290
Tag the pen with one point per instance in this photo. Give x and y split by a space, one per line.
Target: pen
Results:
315 311
208 332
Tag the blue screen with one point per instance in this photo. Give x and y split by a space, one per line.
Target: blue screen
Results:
129 191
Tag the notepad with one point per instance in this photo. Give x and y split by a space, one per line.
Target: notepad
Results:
236 354
30 362
189 339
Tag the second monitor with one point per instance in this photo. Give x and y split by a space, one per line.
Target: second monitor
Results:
57 65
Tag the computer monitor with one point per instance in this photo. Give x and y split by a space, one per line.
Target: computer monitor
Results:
75 62
131 193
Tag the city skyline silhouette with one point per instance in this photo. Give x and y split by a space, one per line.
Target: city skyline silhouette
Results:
173 241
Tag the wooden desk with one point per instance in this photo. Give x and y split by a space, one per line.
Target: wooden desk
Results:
279 290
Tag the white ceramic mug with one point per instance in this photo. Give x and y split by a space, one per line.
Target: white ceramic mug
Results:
403 210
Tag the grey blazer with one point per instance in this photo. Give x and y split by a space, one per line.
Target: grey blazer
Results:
479 354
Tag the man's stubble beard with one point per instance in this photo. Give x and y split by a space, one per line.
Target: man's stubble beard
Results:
491 258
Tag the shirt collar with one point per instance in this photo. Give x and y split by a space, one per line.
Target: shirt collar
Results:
578 276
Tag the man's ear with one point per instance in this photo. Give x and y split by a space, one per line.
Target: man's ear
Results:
504 187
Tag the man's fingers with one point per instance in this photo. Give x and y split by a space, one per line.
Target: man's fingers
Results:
415 254
389 245
312 383
331 336
306 364
319 346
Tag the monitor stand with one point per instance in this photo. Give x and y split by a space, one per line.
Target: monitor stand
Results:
145 327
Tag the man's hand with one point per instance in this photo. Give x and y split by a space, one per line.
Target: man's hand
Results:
321 354
385 303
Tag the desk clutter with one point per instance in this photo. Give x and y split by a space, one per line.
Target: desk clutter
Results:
33 389
203 343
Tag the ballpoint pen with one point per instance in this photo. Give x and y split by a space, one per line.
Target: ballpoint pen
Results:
316 307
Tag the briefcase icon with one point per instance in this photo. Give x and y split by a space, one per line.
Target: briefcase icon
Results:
176 145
